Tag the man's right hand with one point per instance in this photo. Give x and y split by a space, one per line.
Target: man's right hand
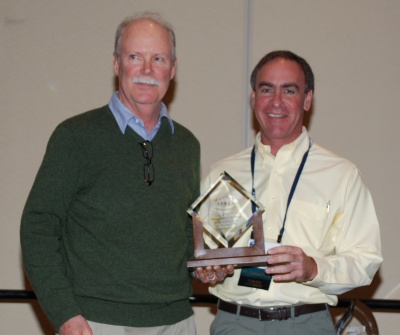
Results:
213 274
76 326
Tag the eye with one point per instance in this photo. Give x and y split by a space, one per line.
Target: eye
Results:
290 91
159 59
265 90
133 57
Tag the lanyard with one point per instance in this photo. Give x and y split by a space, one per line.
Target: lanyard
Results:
294 185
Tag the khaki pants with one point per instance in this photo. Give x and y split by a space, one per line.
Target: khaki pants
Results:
185 327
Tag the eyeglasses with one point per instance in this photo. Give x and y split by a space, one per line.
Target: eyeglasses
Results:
148 168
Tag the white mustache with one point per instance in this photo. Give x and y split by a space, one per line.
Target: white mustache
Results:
145 80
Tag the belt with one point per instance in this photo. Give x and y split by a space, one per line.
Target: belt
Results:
270 313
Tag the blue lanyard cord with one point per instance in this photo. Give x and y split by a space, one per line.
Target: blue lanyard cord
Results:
292 190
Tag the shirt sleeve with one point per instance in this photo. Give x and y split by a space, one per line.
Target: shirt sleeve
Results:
43 221
357 253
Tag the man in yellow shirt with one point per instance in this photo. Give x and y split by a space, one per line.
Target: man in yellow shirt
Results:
317 209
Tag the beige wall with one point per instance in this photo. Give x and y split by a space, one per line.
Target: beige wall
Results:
56 61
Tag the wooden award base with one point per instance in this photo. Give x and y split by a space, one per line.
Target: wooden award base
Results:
241 256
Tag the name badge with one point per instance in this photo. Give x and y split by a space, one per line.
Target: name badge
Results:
255 276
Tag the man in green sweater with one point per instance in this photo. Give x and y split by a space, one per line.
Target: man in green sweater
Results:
105 235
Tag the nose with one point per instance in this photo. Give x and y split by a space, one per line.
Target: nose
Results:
277 99
147 68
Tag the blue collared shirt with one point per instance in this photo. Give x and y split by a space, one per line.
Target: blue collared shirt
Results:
125 117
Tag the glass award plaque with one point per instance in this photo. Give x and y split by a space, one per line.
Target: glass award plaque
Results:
221 216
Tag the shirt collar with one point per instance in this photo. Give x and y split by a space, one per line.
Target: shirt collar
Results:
123 115
294 149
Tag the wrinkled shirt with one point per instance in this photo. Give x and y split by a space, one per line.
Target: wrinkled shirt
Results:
331 217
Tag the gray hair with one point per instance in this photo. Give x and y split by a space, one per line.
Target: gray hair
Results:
154 16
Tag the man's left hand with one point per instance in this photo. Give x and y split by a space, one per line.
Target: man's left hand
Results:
287 263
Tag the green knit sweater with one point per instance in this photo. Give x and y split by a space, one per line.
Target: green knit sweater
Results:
96 239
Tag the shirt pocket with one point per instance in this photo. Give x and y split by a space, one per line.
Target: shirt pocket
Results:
311 227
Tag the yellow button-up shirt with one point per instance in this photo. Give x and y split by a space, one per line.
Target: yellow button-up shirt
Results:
331 217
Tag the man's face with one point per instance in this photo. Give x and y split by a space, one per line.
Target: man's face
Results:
145 67
279 102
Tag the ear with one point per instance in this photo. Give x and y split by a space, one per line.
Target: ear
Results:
253 99
115 64
173 70
308 101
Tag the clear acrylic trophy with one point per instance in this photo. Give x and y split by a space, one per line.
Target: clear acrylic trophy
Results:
221 216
